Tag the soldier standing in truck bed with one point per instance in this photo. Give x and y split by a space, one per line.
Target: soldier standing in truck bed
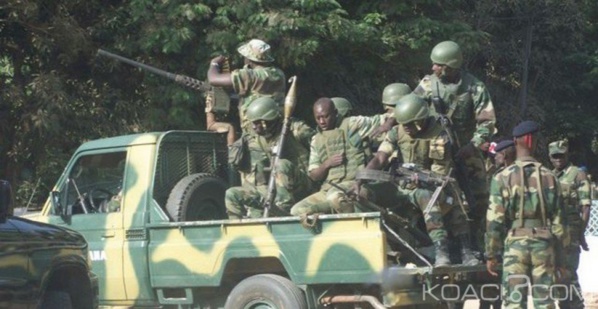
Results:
466 101
575 188
256 79
524 218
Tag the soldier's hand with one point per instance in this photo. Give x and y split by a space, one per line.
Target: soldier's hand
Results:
220 59
355 190
491 267
335 160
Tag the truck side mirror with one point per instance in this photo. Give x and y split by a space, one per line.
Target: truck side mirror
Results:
5 200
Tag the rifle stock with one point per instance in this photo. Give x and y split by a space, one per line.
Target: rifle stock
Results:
289 105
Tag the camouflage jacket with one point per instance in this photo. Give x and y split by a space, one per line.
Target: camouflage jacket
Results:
516 186
250 84
468 104
429 149
261 150
348 138
575 189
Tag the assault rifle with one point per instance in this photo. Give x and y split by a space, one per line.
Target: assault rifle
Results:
289 105
460 168
407 173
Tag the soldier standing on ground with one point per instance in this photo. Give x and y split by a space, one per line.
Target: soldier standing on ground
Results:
467 103
524 218
575 188
257 78
292 183
421 140
337 152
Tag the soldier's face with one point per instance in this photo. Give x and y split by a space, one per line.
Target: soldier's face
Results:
442 71
412 128
559 160
499 158
325 117
259 127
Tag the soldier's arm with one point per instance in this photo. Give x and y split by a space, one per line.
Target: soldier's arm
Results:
388 146
217 78
484 114
495 219
554 196
583 194
365 125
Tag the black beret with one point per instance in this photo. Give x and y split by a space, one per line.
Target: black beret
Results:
525 127
504 145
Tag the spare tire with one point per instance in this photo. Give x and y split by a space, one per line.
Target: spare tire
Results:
197 197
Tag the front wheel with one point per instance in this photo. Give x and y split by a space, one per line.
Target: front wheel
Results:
266 292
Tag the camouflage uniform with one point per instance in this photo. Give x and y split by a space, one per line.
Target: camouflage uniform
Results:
576 193
292 183
250 84
427 150
522 221
471 111
349 139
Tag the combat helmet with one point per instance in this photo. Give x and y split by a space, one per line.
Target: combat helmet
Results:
411 108
342 105
393 92
263 108
447 53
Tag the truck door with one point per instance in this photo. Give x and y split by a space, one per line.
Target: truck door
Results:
92 190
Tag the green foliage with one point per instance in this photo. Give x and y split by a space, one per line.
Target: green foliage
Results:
57 93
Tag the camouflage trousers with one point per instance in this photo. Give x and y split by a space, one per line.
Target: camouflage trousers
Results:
527 262
326 201
292 184
572 298
403 200
479 186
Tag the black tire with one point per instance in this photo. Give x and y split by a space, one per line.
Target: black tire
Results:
197 197
56 300
266 291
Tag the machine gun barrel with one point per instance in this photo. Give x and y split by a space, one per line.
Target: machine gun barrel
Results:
181 79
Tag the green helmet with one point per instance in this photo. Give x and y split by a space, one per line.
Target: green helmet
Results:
447 53
342 105
263 108
393 92
411 108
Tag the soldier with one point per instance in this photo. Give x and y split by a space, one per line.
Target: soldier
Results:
391 94
523 219
292 184
337 152
504 154
343 107
575 189
466 101
256 79
421 140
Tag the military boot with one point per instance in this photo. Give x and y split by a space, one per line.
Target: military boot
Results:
442 255
467 256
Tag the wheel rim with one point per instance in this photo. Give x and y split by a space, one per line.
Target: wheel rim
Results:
260 304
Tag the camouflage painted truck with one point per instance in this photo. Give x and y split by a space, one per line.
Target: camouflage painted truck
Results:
151 207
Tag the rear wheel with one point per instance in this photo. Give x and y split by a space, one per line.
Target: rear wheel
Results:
56 300
197 197
266 292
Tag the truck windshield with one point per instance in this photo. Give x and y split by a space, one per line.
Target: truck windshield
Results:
95 183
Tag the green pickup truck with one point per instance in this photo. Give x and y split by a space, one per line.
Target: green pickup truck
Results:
151 207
